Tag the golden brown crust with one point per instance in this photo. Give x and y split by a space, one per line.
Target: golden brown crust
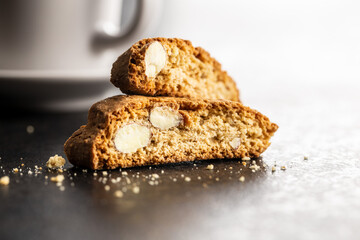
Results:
128 73
89 145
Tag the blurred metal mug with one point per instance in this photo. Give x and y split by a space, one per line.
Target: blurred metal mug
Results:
49 49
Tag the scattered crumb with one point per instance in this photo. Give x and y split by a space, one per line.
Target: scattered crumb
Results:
244 163
15 170
283 168
242 179
55 162
95 174
30 129
273 169
4 180
60 170
128 181
210 167
104 173
245 159
255 167
217 179
205 185
22 164
118 194
162 171
230 168
306 158
58 178
62 188
124 173
174 179
46 177
107 187
199 178
156 176
136 189
187 179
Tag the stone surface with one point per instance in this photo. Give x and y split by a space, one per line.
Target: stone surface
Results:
316 198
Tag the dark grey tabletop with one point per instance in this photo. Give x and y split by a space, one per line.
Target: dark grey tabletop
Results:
317 198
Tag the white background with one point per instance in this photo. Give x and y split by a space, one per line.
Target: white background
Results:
275 42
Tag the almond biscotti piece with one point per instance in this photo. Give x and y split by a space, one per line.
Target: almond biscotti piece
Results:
128 131
172 67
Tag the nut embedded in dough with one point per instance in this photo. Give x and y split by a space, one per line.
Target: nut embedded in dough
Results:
235 143
155 59
165 118
131 137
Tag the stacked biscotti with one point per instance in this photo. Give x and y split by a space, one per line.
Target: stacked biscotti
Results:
182 107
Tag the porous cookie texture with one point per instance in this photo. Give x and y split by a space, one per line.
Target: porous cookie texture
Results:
172 67
121 132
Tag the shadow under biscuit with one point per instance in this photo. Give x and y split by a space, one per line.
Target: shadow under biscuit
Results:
167 184
156 195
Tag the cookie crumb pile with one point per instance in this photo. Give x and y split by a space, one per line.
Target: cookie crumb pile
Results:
55 161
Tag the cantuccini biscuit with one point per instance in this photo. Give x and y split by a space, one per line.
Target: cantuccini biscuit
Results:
172 67
128 131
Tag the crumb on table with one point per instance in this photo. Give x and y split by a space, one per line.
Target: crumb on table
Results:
55 162
210 167
118 194
30 129
5 180
136 189
57 179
